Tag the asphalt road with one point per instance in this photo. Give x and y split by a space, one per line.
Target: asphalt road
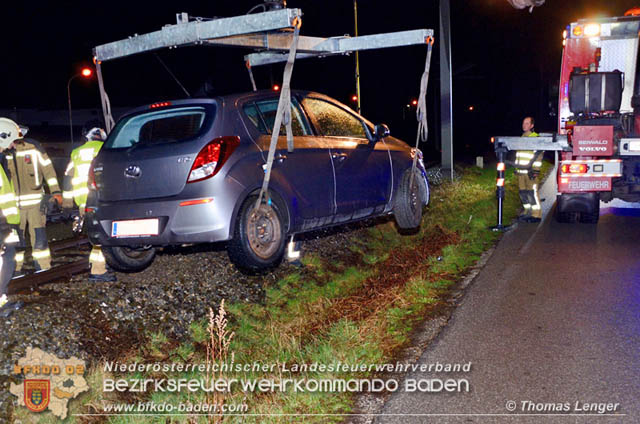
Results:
552 320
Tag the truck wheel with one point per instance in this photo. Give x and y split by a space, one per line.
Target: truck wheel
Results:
259 237
566 217
410 200
128 259
593 217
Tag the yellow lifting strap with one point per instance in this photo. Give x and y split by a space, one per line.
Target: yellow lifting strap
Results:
421 110
283 114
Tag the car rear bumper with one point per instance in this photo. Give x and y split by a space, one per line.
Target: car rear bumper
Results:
196 223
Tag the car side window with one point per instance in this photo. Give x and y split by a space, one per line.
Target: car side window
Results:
334 121
262 115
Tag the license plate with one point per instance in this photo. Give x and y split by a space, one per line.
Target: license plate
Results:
135 228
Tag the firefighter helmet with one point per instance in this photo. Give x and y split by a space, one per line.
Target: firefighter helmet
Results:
96 134
9 132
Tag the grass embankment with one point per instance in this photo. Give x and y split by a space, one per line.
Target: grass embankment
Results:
360 310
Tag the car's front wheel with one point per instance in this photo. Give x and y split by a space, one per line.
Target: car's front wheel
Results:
410 198
259 237
128 259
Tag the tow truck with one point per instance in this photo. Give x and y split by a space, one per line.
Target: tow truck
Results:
598 136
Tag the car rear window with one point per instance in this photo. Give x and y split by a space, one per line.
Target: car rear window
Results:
158 127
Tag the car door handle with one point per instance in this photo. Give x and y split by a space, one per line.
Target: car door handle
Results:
280 157
339 156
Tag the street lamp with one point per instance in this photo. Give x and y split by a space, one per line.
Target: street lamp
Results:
84 73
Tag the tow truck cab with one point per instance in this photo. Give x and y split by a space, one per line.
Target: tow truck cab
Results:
599 111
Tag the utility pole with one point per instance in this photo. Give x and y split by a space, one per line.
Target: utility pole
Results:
355 16
446 108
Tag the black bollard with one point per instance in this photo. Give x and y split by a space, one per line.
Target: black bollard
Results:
501 153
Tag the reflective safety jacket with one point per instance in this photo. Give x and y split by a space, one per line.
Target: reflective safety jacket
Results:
9 205
528 160
29 168
76 176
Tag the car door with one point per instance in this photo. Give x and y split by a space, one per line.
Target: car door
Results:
306 174
362 168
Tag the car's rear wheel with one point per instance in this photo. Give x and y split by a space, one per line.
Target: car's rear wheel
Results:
259 237
128 259
410 199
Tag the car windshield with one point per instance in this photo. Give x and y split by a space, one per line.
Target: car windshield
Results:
158 127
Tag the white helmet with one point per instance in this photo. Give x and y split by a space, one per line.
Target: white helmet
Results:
96 134
9 132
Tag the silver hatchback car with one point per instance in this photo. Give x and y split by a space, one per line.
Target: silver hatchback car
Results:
190 171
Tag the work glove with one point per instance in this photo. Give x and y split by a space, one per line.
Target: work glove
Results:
58 198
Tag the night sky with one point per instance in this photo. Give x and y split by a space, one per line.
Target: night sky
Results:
506 61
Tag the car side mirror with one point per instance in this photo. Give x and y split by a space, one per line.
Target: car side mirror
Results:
381 131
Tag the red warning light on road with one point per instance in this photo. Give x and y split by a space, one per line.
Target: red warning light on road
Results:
354 98
414 102
276 87
86 72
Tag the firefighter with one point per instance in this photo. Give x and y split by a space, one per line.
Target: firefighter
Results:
528 164
9 219
30 168
76 190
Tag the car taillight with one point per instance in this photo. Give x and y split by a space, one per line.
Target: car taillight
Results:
91 182
575 168
212 157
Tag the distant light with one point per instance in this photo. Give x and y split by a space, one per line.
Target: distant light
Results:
408 105
276 87
414 102
564 34
635 11
86 72
354 98
592 30
577 31
471 108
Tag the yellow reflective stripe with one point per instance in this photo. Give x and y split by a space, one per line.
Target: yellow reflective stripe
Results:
521 154
67 195
81 191
535 207
9 157
30 196
7 197
526 205
19 256
10 211
52 182
22 153
12 238
29 202
80 180
86 154
41 254
69 168
96 256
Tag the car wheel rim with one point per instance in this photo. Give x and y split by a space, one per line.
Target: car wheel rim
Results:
264 232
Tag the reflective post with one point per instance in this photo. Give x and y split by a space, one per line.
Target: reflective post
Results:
501 153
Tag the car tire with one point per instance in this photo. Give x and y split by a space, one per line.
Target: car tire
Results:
567 217
409 201
128 259
259 237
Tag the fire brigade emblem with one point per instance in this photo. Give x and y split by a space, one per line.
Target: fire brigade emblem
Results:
36 394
